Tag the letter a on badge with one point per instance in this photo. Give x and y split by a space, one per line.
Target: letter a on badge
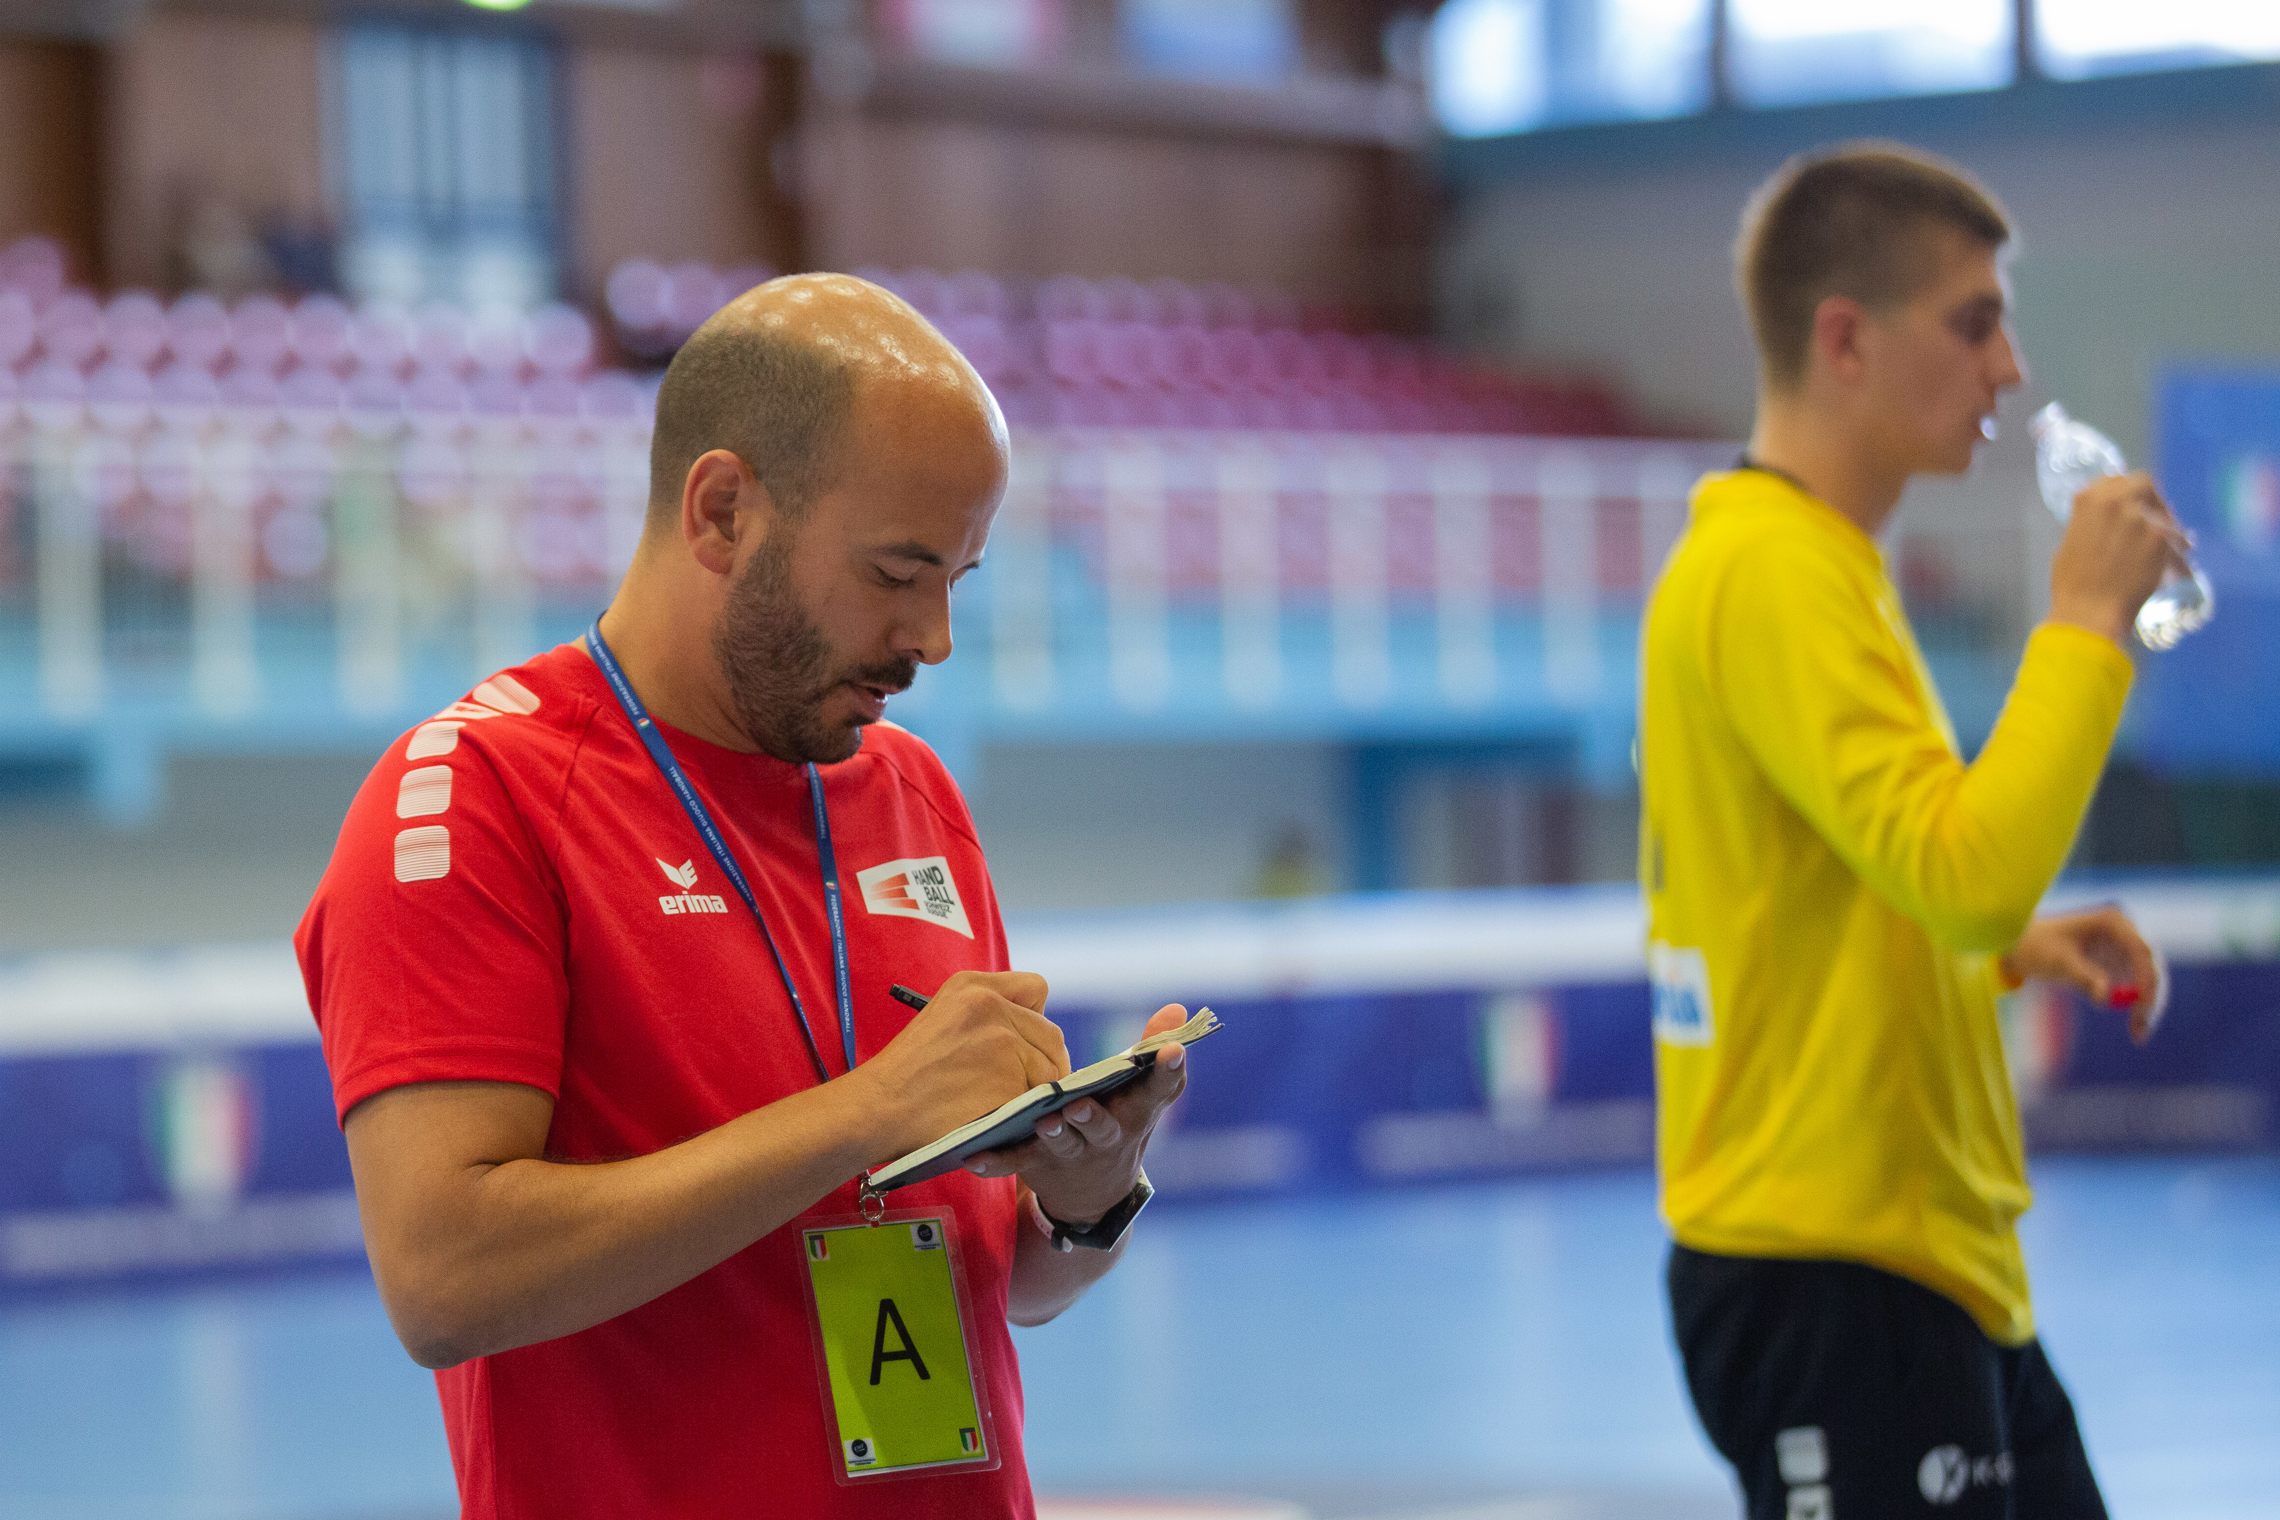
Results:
880 1355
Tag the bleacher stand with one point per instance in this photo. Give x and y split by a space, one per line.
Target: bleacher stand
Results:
214 515
1069 352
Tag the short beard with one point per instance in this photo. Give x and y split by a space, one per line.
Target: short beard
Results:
778 667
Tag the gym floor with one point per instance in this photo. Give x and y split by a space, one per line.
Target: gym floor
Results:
1494 1351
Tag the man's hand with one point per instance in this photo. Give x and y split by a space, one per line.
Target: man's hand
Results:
2120 542
2098 953
981 1039
1085 1158
481 1243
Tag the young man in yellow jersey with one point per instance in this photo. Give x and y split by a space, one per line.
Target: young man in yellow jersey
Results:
1835 898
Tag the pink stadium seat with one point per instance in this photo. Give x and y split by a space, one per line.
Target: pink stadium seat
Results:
636 295
119 397
249 388
924 289
559 340
975 294
552 396
309 392
495 344
380 338
375 401
439 338
1225 306
435 393
260 333
742 278
35 267
19 328
1177 304
1123 300
495 394
1072 351
1120 354
198 331
981 338
318 332
52 393
1274 309
134 329
1065 298
71 329
611 397
692 293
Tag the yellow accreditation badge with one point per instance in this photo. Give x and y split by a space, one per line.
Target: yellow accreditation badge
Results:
891 1332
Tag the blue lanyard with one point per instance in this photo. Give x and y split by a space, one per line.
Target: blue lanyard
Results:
694 806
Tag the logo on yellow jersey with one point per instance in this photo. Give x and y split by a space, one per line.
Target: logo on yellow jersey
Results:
1680 981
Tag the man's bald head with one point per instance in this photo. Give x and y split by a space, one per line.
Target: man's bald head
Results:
774 377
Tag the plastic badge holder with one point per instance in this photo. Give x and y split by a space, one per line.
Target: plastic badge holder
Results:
917 1425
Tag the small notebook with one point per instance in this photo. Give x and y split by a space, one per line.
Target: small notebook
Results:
1017 1120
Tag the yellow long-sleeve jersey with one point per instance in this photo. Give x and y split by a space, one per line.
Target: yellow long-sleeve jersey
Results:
1828 886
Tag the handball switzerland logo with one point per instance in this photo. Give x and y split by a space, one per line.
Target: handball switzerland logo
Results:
915 889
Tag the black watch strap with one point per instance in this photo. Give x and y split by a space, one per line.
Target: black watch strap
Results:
1105 1232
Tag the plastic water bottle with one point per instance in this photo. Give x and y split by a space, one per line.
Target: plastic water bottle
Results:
2069 455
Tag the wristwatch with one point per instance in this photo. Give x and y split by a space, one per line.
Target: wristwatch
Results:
1103 1233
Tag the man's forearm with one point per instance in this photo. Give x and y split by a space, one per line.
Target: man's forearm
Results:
1044 1281
479 1258
480 1244
2021 802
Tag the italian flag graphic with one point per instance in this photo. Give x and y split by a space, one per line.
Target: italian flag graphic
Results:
203 1125
819 1249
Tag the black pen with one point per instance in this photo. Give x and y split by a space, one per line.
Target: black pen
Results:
902 994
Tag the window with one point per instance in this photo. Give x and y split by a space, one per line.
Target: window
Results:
1504 66
1238 41
445 157
2079 38
994 34
1790 52
1486 62
1509 65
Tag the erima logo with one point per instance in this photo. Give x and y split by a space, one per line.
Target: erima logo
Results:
684 876
915 889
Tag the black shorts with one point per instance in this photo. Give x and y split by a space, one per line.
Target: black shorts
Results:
1840 1392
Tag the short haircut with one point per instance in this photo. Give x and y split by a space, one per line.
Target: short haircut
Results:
1848 221
777 402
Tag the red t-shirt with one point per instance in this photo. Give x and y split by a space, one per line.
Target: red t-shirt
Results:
517 896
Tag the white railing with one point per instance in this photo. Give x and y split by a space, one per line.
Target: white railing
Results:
385 529
193 523
1251 528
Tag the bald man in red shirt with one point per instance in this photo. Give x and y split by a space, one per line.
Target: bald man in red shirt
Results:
602 965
